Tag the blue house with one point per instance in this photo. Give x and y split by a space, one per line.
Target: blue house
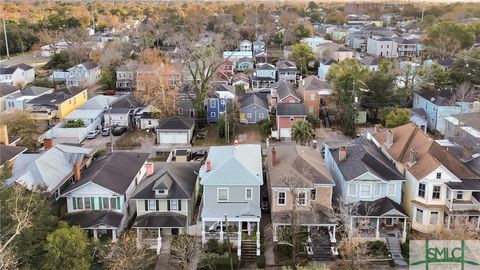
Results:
216 107
366 179
324 66
253 108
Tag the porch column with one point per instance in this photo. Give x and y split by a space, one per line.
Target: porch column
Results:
478 223
203 232
249 228
448 222
239 240
221 231
258 238
139 238
95 234
275 233
404 234
114 235
377 232
351 226
334 231
309 240
159 242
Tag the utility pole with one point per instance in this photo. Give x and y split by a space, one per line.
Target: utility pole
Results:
93 17
110 126
5 33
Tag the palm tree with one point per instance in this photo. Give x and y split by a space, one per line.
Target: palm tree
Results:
302 132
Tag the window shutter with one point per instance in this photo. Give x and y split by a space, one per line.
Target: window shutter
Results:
118 203
92 203
146 205
74 200
179 205
168 205
100 203
157 205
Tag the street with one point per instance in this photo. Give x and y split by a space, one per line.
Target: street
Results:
31 58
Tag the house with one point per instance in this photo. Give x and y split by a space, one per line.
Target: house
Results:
84 74
51 49
284 92
287 115
438 105
382 47
126 76
240 81
216 108
342 53
464 125
300 185
17 75
122 111
408 47
245 46
231 179
18 100
175 130
314 42
8 149
58 104
324 66
244 64
287 71
99 102
418 116
253 108
315 93
368 181
55 169
99 199
439 191
6 90
235 55
258 47
264 76
165 201
264 57
227 67
369 62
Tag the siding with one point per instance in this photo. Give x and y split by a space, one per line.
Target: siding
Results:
236 194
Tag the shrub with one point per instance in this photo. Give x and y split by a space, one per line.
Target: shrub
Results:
213 246
377 248
405 249
261 261
74 124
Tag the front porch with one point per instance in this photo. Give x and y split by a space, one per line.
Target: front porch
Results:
154 238
379 228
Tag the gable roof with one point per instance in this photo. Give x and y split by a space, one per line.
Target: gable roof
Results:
89 65
378 207
127 101
444 97
177 122
58 96
233 165
114 171
303 163
285 109
285 89
6 89
313 83
265 66
429 154
363 157
13 68
248 99
8 152
286 65
179 178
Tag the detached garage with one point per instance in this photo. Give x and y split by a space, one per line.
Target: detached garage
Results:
175 130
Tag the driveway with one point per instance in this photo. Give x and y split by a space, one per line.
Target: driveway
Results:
99 142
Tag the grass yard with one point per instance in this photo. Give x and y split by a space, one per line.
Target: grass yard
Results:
211 138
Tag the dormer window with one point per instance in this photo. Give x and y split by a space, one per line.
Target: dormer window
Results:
161 191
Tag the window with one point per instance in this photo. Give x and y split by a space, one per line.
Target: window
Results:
376 189
313 194
212 114
249 115
282 198
365 190
152 205
312 97
436 192
302 200
180 110
222 195
106 203
391 189
113 203
149 122
87 203
459 195
261 115
310 109
421 190
80 203
352 190
439 175
419 216
433 218
213 103
248 194
173 205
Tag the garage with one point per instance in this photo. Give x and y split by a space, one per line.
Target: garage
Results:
175 130
285 132
173 137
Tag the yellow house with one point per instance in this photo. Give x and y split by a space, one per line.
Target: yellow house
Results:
58 104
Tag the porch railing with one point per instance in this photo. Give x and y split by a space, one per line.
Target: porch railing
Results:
473 204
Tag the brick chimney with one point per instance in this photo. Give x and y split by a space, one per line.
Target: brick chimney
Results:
342 153
4 135
77 171
209 165
47 143
389 141
467 152
274 157
149 169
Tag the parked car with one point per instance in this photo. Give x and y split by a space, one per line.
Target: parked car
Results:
93 134
117 131
109 92
106 132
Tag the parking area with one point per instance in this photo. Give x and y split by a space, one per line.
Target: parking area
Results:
100 141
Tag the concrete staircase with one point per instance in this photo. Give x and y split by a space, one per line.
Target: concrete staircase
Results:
249 251
395 250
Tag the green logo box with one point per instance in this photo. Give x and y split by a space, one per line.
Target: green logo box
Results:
444 254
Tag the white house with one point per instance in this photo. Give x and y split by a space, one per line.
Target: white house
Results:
83 74
314 42
20 74
382 47
245 46
19 100
51 49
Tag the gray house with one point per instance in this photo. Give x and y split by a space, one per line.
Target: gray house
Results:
231 179
253 108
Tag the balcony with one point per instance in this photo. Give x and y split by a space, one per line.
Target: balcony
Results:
462 205
43 112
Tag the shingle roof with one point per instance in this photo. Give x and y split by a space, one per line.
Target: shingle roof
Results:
285 89
160 220
7 89
114 171
265 66
291 109
378 207
303 163
177 122
11 69
58 96
93 218
179 178
233 165
469 119
419 111
286 65
89 65
127 101
259 99
443 97
313 83
231 210
8 152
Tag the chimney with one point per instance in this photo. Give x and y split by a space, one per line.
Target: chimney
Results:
342 153
413 157
47 143
4 135
389 141
467 152
376 128
149 169
274 157
77 171
209 165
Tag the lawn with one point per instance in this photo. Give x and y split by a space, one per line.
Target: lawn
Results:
211 138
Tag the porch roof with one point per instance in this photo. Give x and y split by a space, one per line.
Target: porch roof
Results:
319 215
160 220
93 218
232 210
380 207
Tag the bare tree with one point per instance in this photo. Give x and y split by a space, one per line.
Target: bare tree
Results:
78 49
183 249
460 228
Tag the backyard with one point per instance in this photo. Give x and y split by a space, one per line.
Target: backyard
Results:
243 133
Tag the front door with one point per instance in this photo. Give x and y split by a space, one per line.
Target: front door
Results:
174 231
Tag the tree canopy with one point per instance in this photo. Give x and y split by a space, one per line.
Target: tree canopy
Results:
446 38
398 117
302 54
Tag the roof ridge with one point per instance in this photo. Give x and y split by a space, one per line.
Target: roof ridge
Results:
409 141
